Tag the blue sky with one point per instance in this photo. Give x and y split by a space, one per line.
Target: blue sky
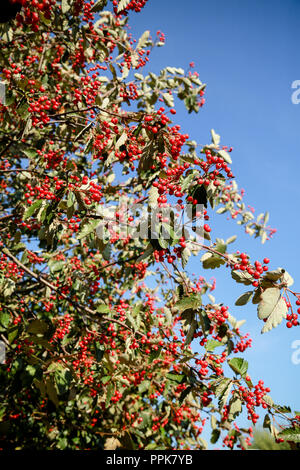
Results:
248 54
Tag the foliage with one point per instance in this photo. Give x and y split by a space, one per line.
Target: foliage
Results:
109 341
263 440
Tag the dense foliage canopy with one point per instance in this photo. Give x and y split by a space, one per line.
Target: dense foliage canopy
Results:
109 341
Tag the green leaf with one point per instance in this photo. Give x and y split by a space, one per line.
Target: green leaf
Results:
244 298
51 392
23 109
185 393
287 279
98 6
264 236
273 307
213 422
268 400
109 393
193 301
187 318
12 333
143 40
87 229
107 252
256 296
151 446
30 153
83 131
31 210
102 308
222 390
239 366
4 319
190 336
144 386
178 378
212 344
9 98
186 183
65 6
267 422
146 417
105 379
222 210
234 322
235 407
37 327
290 434
149 250
168 316
185 255
266 217
210 261
154 355
88 146
215 137
132 321
231 239
242 277
220 385
168 99
268 301
121 140
99 352
225 155
63 378
215 435
284 409
41 386
56 265
221 246
122 4
205 322
70 200
274 275
153 195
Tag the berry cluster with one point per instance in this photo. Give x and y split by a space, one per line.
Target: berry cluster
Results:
40 107
255 271
242 345
63 328
134 5
254 399
29 15
292 318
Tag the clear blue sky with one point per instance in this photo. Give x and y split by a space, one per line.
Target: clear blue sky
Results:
248 54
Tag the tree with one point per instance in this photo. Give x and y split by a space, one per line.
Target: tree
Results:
102 201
